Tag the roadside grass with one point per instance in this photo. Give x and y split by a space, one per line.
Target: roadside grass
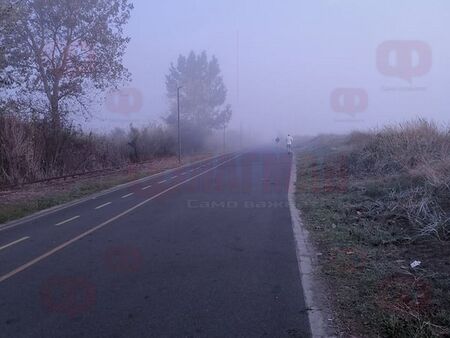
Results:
368 229
26 201
9 212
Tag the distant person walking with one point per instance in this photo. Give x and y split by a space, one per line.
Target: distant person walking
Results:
289 142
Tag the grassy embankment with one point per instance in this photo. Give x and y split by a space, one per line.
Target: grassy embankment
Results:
374 203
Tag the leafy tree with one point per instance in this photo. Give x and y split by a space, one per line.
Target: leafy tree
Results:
203 92
7 17
58 50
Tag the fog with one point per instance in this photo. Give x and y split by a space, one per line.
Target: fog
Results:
282 61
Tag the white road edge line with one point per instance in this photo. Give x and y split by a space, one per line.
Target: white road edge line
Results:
46 212
14 243
147 187
307 263
67 221
102 225
103 205
128 195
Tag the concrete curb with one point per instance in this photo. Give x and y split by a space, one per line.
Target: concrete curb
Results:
307 261
57 208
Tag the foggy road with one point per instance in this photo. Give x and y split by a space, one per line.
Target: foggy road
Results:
206 250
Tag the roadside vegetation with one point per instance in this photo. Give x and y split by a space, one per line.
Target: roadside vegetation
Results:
28 199
28 151
62 62
378 207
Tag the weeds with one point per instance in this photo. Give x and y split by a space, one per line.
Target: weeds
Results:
394 208
418 152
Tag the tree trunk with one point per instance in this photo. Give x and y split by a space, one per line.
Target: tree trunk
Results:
54 107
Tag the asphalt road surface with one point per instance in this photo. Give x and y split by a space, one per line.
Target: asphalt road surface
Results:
202 251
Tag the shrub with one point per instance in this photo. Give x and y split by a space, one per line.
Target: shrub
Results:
32 149
418 151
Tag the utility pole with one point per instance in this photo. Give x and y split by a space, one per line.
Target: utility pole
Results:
179 134
240 136
224 138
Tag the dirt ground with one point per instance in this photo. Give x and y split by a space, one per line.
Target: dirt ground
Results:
365 256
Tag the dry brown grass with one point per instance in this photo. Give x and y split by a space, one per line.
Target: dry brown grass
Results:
375 202
419 153
32 150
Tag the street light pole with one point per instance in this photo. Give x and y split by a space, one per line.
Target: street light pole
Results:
224 138
179 134
240 136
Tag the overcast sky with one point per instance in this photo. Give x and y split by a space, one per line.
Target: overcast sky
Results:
282 61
